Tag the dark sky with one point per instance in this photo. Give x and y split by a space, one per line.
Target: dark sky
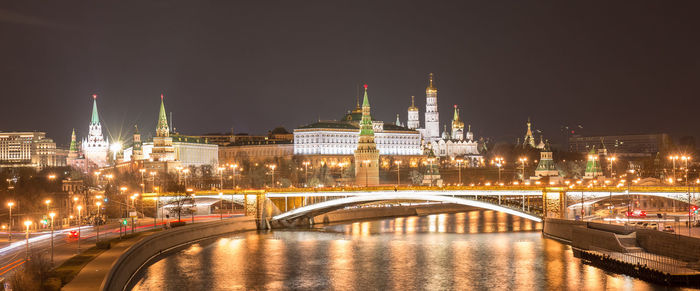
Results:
623 67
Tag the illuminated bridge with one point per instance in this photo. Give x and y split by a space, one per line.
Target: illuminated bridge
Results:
533 203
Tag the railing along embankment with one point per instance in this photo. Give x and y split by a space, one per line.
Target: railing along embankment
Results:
141 253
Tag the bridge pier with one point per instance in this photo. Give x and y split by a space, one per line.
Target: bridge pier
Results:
554 204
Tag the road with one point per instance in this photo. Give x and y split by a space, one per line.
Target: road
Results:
13 255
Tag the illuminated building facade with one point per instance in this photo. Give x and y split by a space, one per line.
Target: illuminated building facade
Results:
95 147
29 149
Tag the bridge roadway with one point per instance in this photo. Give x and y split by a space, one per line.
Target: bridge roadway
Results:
295 202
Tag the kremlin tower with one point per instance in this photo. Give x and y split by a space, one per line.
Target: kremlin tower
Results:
366 154
457 126
413 119
529 140
162 143
593 170
73 150
432 118
137 146
95 147
546 167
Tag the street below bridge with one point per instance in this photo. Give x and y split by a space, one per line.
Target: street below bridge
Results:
13 255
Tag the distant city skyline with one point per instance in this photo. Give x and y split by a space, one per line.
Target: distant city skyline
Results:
253 67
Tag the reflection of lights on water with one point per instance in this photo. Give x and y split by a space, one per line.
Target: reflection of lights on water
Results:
432 223
474 221
411 224
501 220
193 249
398 225
355 228
223 241
365 228
459 222
341 257
442 222
524 252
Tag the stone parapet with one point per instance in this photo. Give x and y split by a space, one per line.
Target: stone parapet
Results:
138 255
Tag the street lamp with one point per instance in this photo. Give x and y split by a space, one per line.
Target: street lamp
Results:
133 205
186 171
153 177
686 159
194 205
523 160
97 238
272 167
398 172
500 162
459 168
221 206
48 202
233 175
306 172
612 165
75 202
673 159
52 216
143 184
10 204
221 177
27 224
80 207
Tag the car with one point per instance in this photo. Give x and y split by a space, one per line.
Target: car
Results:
653 226
668 228
73 234
636 213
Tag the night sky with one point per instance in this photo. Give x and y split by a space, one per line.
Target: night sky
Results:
623 67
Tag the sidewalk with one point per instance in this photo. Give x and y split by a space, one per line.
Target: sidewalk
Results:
91 276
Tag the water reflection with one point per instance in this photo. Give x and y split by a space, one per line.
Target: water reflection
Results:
478 250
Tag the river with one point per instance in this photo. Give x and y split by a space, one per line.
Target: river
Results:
477 250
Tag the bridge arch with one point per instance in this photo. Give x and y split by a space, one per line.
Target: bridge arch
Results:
326 206
595 197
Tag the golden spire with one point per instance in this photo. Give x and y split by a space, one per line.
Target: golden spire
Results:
430 85
413 106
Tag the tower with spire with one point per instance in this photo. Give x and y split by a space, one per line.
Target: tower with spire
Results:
457 126
593 169
73 149
95 147
445 134
137 146
366 154
546 167
470 134
529 140
432 117
163 149
413 121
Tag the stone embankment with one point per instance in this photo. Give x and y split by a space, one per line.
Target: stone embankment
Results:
127 265
639 252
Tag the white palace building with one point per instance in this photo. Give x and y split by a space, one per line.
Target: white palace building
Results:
339 137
